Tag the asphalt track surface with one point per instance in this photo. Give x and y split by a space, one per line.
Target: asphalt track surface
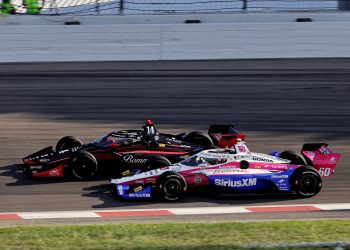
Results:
279 104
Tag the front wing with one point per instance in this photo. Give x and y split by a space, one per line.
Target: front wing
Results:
125 191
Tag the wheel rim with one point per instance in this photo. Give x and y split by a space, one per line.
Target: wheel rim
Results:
172 188
308 184
84 169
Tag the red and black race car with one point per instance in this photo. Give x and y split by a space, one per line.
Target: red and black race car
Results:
123 152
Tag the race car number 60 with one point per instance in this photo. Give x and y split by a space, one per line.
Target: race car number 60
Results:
325 171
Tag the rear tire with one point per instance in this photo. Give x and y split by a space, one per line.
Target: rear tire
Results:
295 158
306 182
199 139
158 161
84 166
170 186
68 142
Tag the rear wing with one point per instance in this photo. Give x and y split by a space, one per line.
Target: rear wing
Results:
320 157
224 135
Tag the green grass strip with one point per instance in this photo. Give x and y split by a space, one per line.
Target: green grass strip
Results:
171 235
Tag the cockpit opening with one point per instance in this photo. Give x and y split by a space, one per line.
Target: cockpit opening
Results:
198 161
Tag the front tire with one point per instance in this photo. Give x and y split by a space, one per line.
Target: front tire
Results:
84 166
158 161
170 186
68 142
306 182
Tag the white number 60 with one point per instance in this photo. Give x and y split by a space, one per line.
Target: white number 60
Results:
325 171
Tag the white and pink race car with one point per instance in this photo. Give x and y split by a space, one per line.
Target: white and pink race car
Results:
234 169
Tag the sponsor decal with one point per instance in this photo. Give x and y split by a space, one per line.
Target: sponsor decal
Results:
47 160
324 150
228 170
151 180
241 149
176 168
36 167
256 158
241 157
137 195
282 185
120 190
197 179
126 172
132 160
139 181
258 166
277 166
54 172
75 149
110 139
177 141
161 145
311 154
250 182
137 189
279 176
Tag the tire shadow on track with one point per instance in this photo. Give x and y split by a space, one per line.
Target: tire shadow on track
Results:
103 193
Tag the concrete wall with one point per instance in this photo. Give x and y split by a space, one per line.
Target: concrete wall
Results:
123 42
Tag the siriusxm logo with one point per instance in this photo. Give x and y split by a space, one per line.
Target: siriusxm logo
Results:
238 183
280 176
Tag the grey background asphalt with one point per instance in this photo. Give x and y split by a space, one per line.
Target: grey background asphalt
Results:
279 104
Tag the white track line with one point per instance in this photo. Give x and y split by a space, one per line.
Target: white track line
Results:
172 211
208 210
58 215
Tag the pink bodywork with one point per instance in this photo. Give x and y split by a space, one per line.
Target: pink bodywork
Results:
323 159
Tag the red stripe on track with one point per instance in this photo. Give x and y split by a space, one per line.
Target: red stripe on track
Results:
283 209
135 213
10 217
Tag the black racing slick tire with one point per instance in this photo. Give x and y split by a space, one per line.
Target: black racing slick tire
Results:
158 161
199 139
295 158
68 142
84 166
306 182
170 186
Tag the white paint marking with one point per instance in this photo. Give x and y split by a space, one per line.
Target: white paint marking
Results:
335 206
58 215
175 211
208 210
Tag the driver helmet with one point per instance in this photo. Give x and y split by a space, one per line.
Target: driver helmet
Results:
149 123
